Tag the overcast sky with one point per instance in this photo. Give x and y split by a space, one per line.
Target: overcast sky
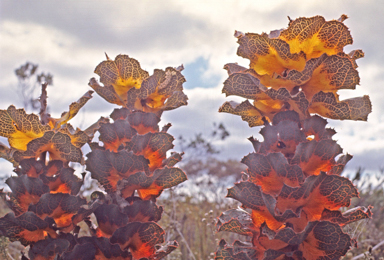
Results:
69 38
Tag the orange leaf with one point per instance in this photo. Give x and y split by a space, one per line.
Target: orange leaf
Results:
316 194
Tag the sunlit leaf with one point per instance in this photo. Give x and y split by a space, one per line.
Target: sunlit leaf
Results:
246 110
268 55
161 91
328 105
20 128
73 110
118 77
315 36
58 145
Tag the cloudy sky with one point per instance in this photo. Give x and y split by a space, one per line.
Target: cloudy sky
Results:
69 38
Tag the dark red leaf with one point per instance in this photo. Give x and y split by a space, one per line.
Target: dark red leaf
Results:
319 240
115 134
166 249
143 210
151 186
59 206
237 221
348 216
25 191
272 171
141 238
96 248
26 228
109 218
30 167
313 156
64 181
262 205
108 167
238 251
48 249
144 122
153 146
316 194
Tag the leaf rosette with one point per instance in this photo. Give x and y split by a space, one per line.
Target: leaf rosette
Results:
127 85
292 190
129 162
300 68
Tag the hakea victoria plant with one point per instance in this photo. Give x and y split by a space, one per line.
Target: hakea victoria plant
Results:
131 167
292 191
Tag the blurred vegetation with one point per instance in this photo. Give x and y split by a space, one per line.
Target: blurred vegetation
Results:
192 224
29 82
369 233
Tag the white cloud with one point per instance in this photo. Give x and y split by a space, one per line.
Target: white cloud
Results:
69 39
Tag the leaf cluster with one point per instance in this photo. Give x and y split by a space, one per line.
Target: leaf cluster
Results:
292 191
130 163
